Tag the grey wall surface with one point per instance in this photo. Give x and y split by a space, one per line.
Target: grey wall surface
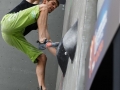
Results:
99 5
17 72
85 11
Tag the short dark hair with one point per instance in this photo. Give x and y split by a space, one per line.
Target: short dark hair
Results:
56 1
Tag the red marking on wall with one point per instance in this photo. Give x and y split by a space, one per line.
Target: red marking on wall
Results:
94 57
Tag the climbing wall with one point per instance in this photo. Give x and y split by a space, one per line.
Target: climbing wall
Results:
96 28
85 12
17 72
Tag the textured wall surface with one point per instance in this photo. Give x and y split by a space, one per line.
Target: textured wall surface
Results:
85 11
17 72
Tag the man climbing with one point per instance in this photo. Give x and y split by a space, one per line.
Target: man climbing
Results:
30 15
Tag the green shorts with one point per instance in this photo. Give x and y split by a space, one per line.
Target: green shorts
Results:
13 26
